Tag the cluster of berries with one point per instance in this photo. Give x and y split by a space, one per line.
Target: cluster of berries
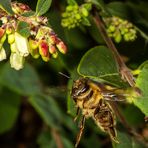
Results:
76 15
119 29
41 41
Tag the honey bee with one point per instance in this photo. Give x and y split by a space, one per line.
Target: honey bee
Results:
93 99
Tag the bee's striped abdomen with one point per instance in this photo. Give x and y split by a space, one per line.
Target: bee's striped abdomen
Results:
105 119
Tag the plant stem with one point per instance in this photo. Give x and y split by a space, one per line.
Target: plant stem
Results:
124 71
57 138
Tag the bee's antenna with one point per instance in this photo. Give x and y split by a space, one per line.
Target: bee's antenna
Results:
64 75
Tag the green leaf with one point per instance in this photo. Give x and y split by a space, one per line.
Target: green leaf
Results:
119 9
45 140
126 141
42 6
85 21
93 29
23 29
66 142
71 2
141 82
70 102
142 33
76 38
145 63
140 17
24 82
6 5
47 109
71 109
101 5
9 110
99 63
137 115
28 14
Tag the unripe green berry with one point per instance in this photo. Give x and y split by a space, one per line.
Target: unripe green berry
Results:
126 37
118 38
110 34
69 8
64 14
125 30
111 28
75 7
78 16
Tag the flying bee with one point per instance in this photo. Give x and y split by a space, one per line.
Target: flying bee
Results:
93 99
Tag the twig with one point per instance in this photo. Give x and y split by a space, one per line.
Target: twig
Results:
57 138
124 71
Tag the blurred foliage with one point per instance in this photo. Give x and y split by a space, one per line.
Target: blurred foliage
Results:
36 108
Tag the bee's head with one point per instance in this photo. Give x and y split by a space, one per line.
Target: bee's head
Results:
79 87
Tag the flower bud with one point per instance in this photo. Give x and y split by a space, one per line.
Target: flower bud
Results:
17 61
11 38
33 44
22 44
3 38
24 7
2 54
20 8
43 50
55 55
35 53
62 47
4 20
46 59
52 49
9 30
42 32
2 31
42 19
15 9
52 39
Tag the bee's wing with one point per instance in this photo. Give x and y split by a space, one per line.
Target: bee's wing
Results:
114 99
110 96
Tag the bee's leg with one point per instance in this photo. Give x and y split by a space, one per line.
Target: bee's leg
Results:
77 114
113 134
82 123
